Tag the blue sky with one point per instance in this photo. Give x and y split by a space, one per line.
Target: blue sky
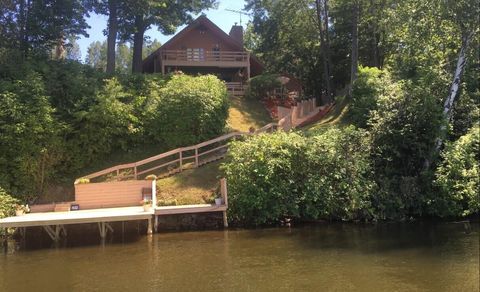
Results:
224 19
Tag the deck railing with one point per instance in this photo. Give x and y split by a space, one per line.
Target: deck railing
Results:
204 56
235 88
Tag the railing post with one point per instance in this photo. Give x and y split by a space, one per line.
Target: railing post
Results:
118 174
223 192
181 162
154 193
135 171
196 157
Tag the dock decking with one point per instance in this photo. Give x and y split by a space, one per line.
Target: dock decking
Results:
54 222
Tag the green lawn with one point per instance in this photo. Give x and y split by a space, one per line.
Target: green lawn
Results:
245 113
193 186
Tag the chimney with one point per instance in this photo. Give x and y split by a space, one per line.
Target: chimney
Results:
237 33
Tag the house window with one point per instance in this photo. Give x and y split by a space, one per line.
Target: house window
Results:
195 54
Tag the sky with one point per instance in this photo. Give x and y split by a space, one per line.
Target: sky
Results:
224 19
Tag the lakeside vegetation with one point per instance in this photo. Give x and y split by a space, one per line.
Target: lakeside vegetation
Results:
401 142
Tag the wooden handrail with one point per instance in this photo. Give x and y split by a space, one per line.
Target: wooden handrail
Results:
173 152
285 123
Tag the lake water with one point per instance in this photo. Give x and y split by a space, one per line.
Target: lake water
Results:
324 257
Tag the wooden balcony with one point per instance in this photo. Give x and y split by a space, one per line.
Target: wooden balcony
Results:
225 59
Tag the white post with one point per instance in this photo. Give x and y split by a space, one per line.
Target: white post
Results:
154 194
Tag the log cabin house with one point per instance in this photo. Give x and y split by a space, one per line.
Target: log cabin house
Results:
203 48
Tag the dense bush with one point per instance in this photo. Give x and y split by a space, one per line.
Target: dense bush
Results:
260 85
339 179
107 124
457 178
327 175
370 84
404 129
188 110
263 175
31 146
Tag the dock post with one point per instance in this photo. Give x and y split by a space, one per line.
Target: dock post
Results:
225 221
149 228
155 225
5 240
54 233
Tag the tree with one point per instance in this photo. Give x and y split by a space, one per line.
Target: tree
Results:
111 8
73 50
355 20
322 19
166 15
150 47
39 25
97 55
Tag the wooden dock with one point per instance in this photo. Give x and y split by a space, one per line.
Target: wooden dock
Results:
54 222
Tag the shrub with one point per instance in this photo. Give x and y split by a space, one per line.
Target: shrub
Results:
8 206
404 129
326 176
31 146
188 110
260 85
457 177
262 182
339 176
369 85
107 124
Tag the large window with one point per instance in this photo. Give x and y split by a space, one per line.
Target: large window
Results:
195 54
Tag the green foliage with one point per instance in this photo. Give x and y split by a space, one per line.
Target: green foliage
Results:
31 146
8 204
188 110
457 177
106 125
404 129
327 175
263 184
260 85
339 176
369 85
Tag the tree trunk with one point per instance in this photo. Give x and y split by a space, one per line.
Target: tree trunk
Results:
374 30
138 44
325 50
453 93
461 62
354 69
112 35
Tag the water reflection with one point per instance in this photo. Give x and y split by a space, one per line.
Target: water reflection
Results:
330 257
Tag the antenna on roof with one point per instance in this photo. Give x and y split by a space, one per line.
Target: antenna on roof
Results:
239 13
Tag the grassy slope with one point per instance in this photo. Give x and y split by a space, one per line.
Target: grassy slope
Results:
334 118
196 186
244 114
193 186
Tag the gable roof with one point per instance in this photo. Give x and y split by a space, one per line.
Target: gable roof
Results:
203 20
